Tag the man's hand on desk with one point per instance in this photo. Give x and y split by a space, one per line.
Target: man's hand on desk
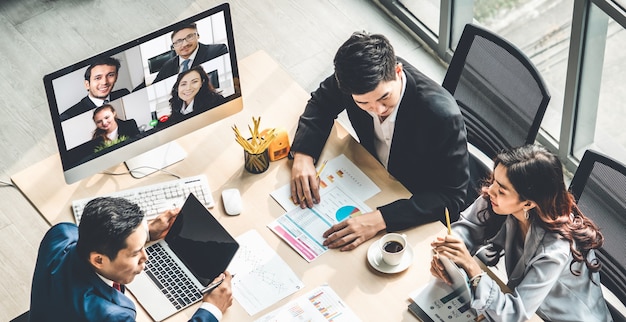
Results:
305 189
159 226
352 232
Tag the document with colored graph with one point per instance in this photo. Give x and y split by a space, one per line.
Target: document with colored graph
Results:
320 305
302 229
339 171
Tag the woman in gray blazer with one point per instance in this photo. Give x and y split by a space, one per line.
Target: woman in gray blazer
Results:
549 244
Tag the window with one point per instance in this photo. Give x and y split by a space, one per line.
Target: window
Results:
541 30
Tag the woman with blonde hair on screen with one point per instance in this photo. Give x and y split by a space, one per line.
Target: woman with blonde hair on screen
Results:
111 130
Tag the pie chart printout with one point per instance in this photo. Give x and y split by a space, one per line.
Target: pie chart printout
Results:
347 211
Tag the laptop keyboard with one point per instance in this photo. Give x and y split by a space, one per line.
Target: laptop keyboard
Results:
176 285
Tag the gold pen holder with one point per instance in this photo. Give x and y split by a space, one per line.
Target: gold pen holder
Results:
256 163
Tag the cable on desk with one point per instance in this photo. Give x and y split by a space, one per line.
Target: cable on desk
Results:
6 184
142 167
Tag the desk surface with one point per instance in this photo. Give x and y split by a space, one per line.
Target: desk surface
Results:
270 93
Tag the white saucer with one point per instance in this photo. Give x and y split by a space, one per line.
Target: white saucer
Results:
375 258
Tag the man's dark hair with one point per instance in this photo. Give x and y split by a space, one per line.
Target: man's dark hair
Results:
363 61
185 26
109 61
105 225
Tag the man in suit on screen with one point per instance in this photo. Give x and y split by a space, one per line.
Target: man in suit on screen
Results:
100 78
189 52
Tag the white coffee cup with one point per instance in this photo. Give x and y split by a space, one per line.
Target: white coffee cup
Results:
392 246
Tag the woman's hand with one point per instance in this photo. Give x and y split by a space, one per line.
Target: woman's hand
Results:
453 248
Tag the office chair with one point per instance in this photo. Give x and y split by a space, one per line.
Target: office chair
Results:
503 99
599 186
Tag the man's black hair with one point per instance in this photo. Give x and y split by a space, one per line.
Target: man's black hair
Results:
185 26
363 61
109 61
105 225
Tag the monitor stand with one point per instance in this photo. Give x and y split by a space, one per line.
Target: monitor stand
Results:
155 159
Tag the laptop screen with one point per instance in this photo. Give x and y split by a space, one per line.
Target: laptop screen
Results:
200 241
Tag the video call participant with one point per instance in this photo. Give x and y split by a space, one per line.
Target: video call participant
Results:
79 268
100 78
192 93
548 244
189 52
411 124
111 129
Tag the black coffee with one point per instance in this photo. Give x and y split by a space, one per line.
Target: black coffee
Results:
392 246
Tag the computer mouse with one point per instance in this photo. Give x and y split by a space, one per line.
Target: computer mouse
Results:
232 201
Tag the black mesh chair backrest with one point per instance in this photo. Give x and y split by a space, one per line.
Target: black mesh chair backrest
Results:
500 92
599 186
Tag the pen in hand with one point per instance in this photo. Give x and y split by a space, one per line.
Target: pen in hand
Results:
317 174
214 285
448 222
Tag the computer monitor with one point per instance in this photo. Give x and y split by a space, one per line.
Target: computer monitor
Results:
149 106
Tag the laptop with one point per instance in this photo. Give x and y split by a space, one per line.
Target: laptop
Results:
195 251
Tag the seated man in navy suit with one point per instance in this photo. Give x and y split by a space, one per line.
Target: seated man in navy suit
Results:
79 269
100 78
189 52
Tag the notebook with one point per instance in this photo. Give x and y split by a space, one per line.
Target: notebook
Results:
195 251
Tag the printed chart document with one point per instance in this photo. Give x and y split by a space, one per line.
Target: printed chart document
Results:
322 304
303 229
339 171
262 277
438 301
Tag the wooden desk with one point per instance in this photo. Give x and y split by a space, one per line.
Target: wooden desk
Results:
268 92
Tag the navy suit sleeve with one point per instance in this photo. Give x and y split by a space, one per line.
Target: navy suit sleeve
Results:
202 315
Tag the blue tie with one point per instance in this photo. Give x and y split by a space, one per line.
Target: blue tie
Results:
185 65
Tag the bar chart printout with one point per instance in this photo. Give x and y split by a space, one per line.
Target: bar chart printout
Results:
319 305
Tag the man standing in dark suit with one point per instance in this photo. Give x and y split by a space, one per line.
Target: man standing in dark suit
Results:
189 52
411 124
100 78
81 271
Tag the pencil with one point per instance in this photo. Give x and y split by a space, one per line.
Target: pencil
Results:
448 222
319 172
317 175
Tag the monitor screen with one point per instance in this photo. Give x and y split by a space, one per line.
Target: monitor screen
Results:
141 95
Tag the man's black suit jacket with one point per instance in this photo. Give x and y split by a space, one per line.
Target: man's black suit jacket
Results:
87 105
428 149
205 53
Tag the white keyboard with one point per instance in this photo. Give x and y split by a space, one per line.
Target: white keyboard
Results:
157 198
